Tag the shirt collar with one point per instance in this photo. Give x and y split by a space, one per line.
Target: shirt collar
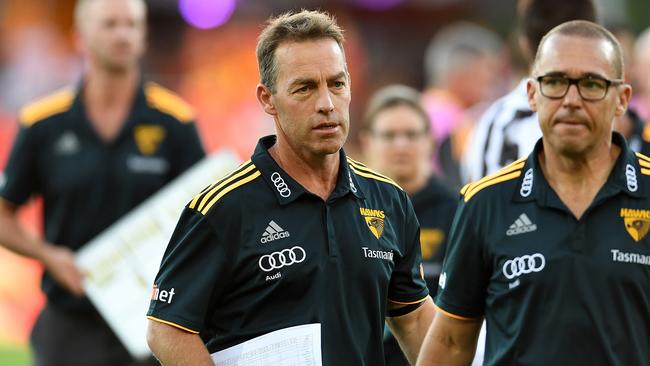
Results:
78 110
626 174
625 177
285 188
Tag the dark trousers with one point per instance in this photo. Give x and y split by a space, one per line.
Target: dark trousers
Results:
62 338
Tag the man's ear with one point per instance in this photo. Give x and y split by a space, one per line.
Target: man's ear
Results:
623 99
364 140
265 98
531 91
79 42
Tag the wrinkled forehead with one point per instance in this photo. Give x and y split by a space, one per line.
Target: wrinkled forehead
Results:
310 58
576 55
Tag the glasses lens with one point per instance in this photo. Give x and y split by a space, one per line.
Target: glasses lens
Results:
591 88
392 136
554 86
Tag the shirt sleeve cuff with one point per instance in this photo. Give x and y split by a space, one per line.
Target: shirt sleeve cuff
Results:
407 299
454 312
175 324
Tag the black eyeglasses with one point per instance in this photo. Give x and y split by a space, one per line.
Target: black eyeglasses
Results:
392 136
591 88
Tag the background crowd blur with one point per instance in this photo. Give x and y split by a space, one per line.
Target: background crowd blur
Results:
459 53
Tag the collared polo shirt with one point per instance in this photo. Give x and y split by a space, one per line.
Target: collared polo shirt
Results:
555 290
86 183
256 252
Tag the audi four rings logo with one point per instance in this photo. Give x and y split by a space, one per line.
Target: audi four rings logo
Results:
285 257
630 176
527 183
280 185
522 265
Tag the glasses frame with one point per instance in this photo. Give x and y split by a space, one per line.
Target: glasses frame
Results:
391 137
575 81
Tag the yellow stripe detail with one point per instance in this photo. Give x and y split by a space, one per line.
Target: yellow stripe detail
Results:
516 165
409 303
224 182
168 102
641 156
644 163
48 106
454 315
375 177
196 198
645 171
356 162
192 204
228 189
172 324
364 168
492 182
464 189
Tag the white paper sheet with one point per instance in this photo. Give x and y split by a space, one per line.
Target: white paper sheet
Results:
294 346
120 264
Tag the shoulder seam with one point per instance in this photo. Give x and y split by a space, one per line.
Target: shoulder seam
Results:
510 172
360 169
210 195
168 102
58 102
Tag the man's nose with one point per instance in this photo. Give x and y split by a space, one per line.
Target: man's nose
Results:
324 103
572 97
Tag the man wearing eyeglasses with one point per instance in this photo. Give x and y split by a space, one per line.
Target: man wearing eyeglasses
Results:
508 130
553 250
396 141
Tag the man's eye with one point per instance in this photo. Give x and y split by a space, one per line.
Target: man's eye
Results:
303 89
553 81
592 84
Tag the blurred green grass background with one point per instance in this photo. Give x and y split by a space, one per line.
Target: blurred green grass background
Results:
14 355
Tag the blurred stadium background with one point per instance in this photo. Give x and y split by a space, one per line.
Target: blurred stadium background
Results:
204 50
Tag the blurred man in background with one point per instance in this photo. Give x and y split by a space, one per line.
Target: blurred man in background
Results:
464 65
641 98
93 152
396 141
509 129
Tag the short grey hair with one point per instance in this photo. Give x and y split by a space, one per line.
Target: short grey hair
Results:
393 96
292 27
81 6
590 30
454 44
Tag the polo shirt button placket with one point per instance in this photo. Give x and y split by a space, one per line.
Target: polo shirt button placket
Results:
332 246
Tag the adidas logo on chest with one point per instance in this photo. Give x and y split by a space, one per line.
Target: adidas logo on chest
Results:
521 226
273 232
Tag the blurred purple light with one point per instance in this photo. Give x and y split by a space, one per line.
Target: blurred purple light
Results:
378 4
206 14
